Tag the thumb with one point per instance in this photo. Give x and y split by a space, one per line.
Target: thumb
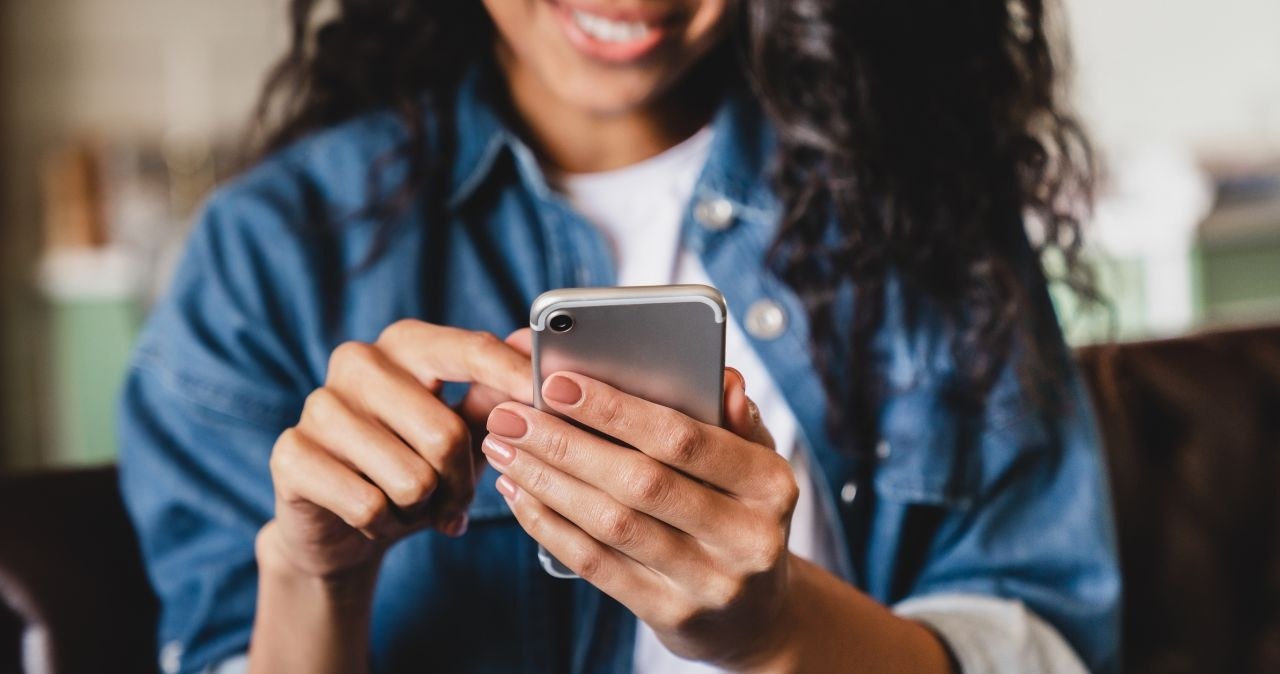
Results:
521 340
740 413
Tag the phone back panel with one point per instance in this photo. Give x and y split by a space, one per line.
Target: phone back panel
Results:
661 343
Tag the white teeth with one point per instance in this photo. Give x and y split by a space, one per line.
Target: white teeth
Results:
607 30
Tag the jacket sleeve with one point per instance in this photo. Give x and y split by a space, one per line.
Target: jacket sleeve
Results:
1038 529
1008 501
215 377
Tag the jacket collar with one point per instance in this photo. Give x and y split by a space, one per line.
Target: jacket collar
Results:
742 145
479 133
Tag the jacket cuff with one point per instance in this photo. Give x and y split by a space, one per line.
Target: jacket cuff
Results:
236 664
990 635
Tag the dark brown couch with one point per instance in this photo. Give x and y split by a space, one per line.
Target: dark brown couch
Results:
71 577
1192 430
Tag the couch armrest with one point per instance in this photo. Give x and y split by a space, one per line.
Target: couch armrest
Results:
1192 428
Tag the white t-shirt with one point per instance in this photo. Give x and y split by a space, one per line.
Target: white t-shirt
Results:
639 210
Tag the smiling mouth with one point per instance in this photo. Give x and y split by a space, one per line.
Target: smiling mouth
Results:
618 37
608 30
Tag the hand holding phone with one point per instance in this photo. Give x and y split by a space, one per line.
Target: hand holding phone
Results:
661 343
681 520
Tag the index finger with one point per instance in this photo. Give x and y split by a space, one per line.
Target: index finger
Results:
481 399
437 353
709 453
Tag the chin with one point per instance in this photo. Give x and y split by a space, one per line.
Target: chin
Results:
608 97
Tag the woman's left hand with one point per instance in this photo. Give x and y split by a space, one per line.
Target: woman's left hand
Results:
689 532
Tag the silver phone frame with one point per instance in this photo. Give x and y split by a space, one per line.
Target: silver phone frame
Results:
562 299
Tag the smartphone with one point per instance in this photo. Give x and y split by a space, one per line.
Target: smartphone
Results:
661 343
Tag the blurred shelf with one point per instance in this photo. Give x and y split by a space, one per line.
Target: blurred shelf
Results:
1242 224
1239 263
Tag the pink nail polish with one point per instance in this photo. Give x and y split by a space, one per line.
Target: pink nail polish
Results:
562 389
458 526
506 423
506 487
498 451
742 381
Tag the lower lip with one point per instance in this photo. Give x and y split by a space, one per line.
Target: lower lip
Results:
612 52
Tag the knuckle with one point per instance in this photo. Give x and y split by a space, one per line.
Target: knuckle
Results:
453 430
284 454
790 497
349 356
648 487
481 343
784 491
397 332
448 435
535 523
765 550
557 447
539 481
418 484
588 563
684 443
608 410
723 592
619 526
320 404
485 339
367 509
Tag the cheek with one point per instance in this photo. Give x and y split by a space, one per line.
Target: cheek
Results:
516 21
710 20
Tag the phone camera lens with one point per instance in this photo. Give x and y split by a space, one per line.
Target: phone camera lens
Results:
561 323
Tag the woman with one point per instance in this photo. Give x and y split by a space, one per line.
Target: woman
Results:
331 459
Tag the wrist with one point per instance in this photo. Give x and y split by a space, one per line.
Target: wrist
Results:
308 622
775 647
825 624
278 567
764 643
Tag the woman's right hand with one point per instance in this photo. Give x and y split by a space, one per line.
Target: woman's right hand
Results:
377 455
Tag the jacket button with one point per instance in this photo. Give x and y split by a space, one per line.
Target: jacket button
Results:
715 214
766 319
883 449
849 492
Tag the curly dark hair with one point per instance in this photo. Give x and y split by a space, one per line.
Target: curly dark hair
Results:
914 136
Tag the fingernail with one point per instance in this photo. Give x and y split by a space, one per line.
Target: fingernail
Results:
742 381
498 451
562 389
506 423
506 487
457 526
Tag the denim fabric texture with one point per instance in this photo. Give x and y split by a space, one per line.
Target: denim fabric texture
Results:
1008 500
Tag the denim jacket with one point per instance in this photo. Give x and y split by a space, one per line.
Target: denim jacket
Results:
1006 501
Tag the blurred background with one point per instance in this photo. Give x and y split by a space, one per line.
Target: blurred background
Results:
118 116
